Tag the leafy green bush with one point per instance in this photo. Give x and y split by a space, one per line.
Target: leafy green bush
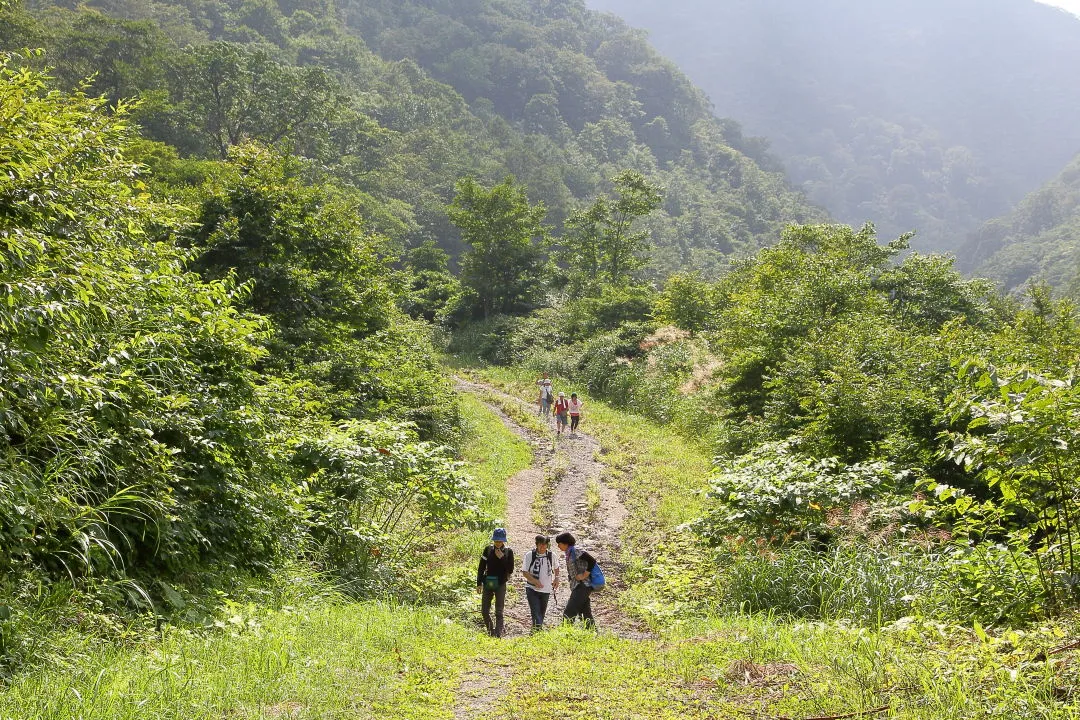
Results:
991 582
776 492
129 404
375 497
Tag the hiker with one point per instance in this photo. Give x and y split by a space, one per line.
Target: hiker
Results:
562 407
545 395
575 413
495 569
542 575
578 566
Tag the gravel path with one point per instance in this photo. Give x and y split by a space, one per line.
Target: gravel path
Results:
577 500
582 503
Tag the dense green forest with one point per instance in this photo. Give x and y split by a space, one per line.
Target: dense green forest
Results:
400 100
1038 240
928 115
242 245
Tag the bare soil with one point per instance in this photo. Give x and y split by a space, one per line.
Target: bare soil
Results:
573 463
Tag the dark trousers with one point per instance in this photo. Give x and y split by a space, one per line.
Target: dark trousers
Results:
495 630
574 420
580 605
538 602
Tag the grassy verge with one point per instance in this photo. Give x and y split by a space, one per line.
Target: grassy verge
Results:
493 455
377 661
758 668
330 661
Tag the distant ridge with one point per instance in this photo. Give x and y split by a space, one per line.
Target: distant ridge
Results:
927 115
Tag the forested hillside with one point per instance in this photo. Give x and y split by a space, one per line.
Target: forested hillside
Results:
549 93
1039 240
926 115
257 426
221 229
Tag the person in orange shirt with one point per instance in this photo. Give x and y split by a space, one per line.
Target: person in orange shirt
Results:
562 409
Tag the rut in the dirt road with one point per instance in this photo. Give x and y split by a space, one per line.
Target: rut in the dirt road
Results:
581 502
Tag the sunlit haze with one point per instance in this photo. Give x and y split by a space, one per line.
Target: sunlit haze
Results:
1072 6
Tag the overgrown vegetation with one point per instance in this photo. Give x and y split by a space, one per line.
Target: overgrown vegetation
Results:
237 392
890 439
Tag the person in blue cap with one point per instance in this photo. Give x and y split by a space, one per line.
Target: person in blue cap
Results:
495 569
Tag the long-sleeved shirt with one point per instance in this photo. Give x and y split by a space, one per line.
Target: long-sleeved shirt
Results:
577 562
492 564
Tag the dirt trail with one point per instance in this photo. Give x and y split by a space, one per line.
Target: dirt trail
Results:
579 501
582 503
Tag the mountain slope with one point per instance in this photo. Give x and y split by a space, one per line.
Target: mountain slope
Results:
1039 240
549 92
933 115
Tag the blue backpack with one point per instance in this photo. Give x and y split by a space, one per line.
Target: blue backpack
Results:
596 578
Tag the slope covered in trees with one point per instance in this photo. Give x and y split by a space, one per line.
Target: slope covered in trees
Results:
209 366
549 93
926 115
1039 240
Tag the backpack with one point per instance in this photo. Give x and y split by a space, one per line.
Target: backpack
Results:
545 556
596 576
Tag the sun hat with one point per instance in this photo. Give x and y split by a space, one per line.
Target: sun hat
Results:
499 535
562 394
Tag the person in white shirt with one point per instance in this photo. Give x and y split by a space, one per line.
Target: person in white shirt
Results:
541 570
575 413
546 396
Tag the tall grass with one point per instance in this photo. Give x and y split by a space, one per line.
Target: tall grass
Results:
861 583
327 661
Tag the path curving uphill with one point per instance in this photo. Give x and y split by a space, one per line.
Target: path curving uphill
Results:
565 489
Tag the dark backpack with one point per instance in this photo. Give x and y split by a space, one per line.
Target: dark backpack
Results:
545 556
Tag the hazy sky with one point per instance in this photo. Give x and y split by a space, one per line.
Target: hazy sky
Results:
1070 5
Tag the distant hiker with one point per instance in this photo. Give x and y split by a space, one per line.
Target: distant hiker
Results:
546 396
562 408
575 413
579 565
541 572
495 569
